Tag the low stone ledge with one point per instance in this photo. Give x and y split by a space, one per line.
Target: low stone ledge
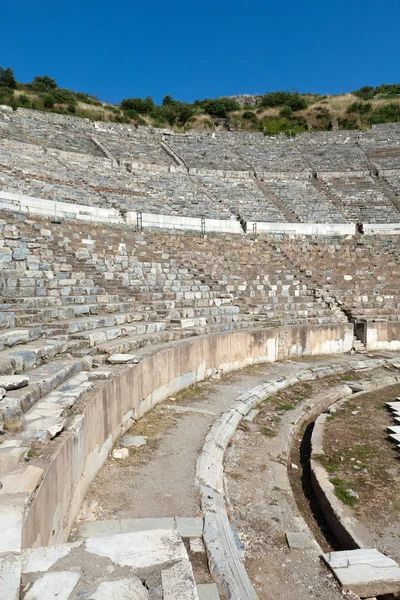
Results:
350 532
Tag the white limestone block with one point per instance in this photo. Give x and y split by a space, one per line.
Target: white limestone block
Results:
139 549
53 586
41 559
121 589
121 453
120 359
13 382
10 577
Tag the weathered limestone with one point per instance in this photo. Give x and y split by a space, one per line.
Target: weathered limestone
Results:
365 572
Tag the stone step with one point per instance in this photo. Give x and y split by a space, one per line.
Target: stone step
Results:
42 381
104 334
95 322
127 344
50 413
27 356
15 336
48 315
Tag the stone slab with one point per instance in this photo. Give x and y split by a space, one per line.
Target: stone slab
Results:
36 560
140 549
53 586
366 572
208 591
22 481
190 526
178 582
123 359
133 441
196 544
92 529
299 540
252 415
13 382
145 524
122 589
10 576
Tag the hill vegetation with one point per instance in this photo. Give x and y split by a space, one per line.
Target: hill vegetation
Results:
275 112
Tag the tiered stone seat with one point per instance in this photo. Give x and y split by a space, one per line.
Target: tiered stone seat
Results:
49 131
363 199
332 152
361 274
127 144
302 198
208 150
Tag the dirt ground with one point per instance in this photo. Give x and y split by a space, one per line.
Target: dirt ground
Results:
263 516
158 479
360 457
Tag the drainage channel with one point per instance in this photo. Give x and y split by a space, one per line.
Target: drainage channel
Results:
300 481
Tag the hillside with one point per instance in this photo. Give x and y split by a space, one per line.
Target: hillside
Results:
272 113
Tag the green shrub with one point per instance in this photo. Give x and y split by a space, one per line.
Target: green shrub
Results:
386 114
7 78
276 125
63 96
43 83
359 107
219 107
286 111
48 101
347 124
288 98
250 116
138 105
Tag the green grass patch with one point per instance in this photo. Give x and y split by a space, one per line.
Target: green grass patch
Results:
342 491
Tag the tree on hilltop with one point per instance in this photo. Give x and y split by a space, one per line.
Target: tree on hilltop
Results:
43 83
7 78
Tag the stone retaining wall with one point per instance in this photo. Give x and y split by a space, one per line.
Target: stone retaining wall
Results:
78 453
383 335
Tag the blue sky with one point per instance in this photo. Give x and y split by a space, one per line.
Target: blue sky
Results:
192 51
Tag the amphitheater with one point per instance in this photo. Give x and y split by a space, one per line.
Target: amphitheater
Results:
159 291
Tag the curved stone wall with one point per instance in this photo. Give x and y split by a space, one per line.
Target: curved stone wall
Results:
75 457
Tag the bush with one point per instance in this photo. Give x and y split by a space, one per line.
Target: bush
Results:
63 96
359 107
291 99
219 107
7 78
139 105
43 83
386 114
286 111
365 93
48 101
275 125
23 100
250 116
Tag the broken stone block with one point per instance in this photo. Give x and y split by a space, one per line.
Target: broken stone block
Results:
121 359
13 382
121 453
2 393
134 441
365 572
59 584
121 589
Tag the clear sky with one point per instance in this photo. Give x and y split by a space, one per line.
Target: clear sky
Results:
208 49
